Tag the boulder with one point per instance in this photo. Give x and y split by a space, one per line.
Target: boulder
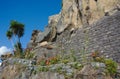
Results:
48 35
42 36
44 43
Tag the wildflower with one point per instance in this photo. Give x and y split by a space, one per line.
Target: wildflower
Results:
47 62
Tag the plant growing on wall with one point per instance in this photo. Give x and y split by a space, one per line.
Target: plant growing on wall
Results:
111 66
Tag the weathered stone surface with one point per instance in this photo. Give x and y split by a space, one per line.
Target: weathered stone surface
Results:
82 12
89 72
47 75
44 43
41 36
69 15
48 35
20 71
98 64
32 42
76 14
11 71
102 36
13 61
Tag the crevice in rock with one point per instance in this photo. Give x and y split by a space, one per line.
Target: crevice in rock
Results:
80 9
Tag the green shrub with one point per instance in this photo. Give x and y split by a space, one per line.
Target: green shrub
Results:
42 63
65 61
111 66
43 68
77 65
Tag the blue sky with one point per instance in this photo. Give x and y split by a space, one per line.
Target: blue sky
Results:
33 13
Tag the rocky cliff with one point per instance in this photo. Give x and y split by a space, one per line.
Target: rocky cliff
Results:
81 14
82 27
76 14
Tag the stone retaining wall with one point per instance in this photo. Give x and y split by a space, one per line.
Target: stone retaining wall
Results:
103 36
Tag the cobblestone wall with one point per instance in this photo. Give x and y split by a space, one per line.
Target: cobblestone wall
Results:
103 36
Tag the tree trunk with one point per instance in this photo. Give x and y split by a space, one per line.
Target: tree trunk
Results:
12 43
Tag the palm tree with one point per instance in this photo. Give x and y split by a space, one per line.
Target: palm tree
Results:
17 29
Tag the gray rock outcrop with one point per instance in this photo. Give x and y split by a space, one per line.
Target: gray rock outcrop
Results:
75 14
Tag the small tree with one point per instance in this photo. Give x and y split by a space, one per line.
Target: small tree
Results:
16 30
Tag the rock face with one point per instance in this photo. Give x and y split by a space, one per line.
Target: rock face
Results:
82 12
82 25
33 38
76 14
89 72
102 36
48 35
21 72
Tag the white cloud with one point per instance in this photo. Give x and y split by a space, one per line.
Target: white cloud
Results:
4 50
